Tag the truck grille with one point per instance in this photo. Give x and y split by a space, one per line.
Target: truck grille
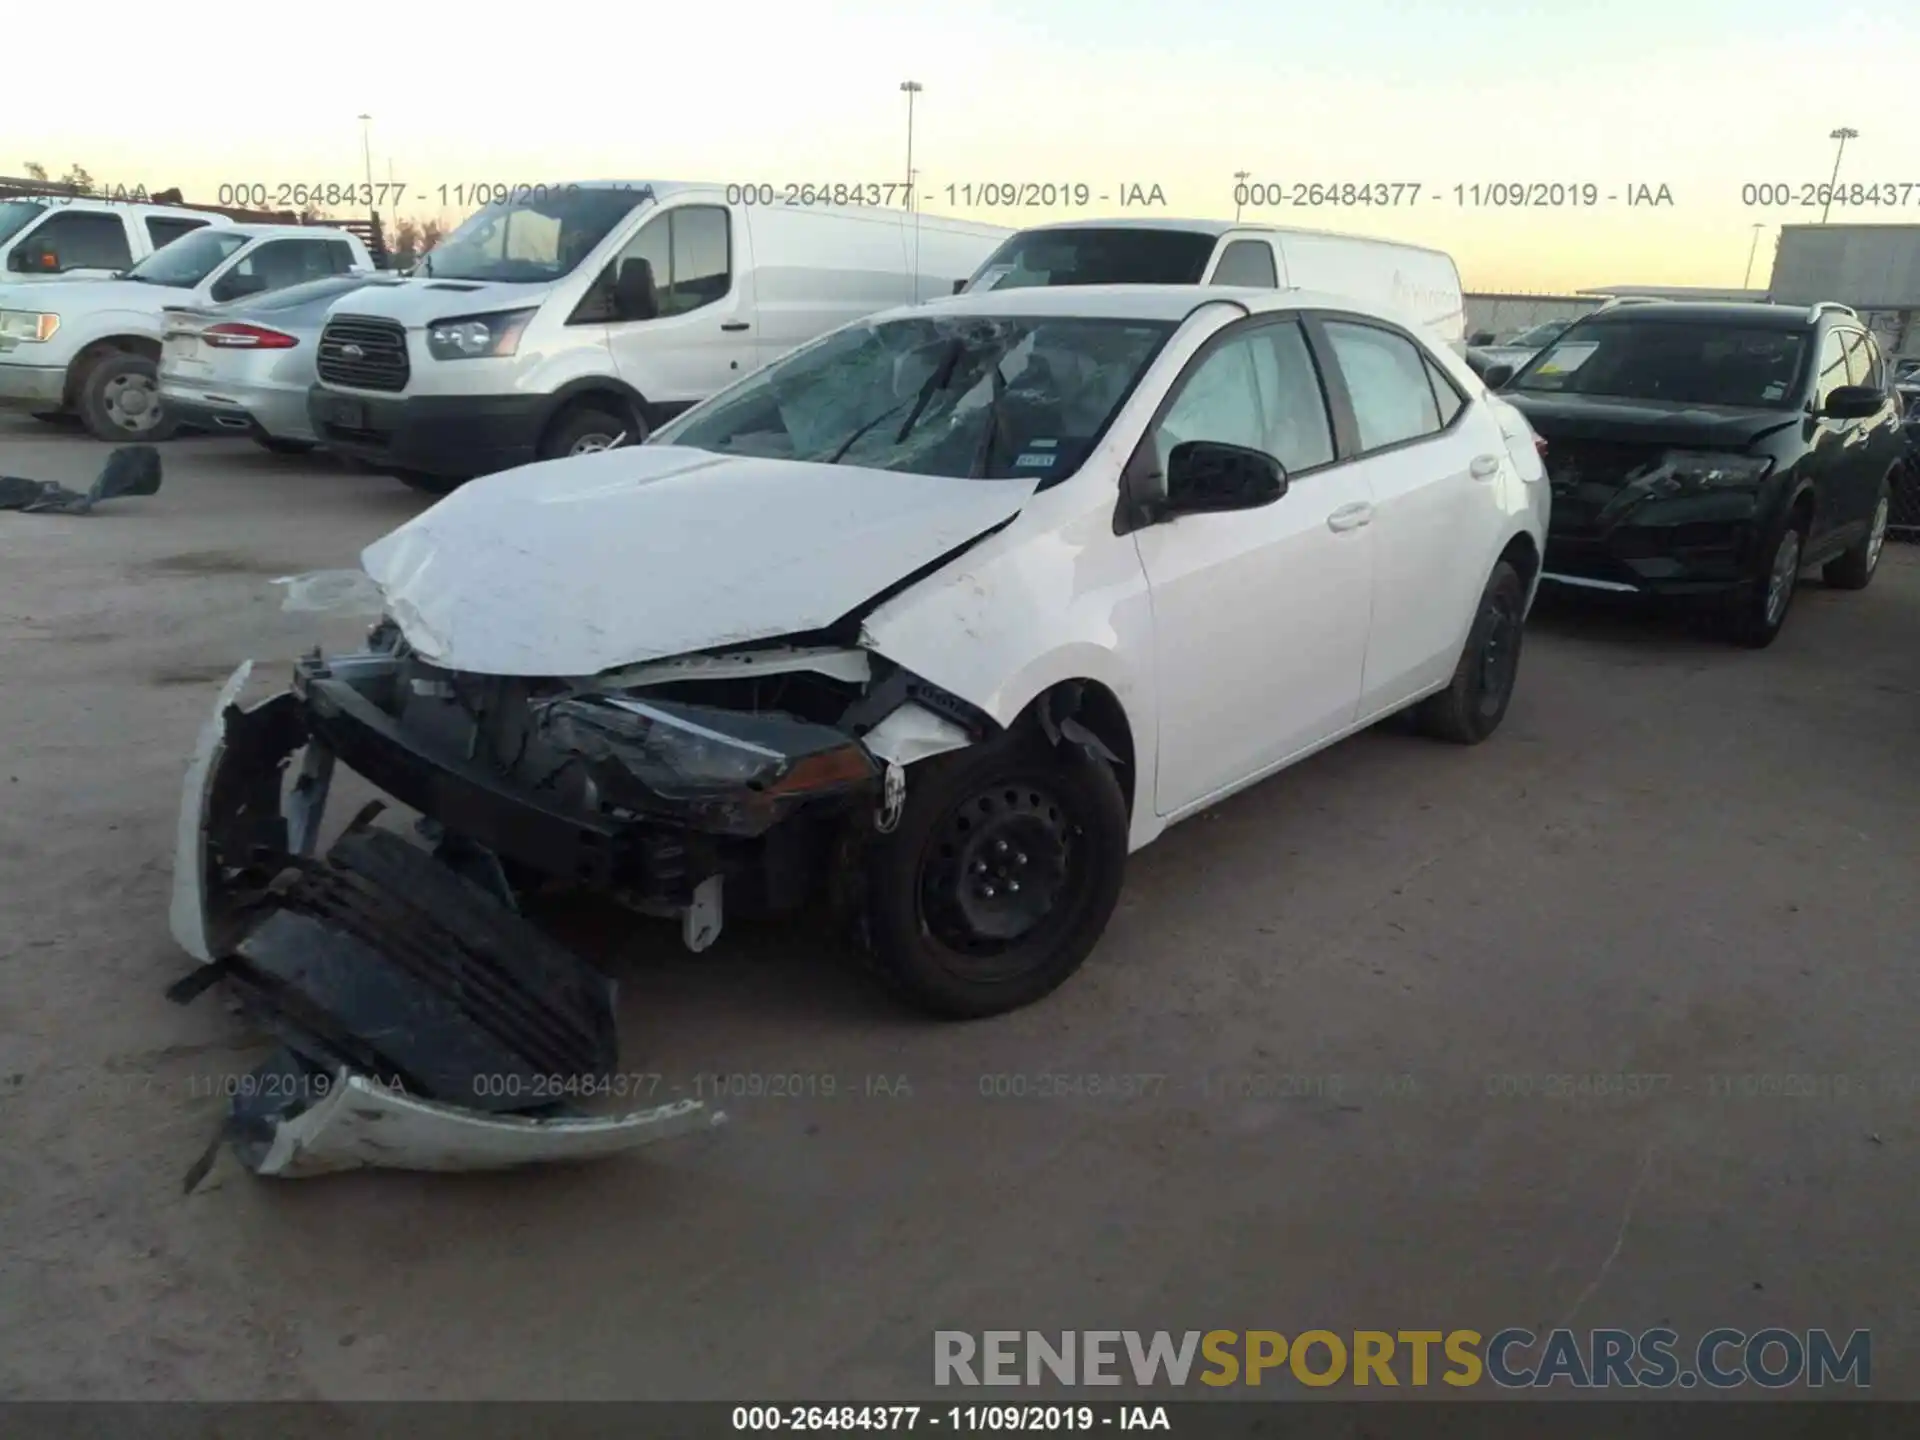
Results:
363 354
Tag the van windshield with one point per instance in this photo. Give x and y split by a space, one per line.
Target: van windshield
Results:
532 236
987 397
1097 256
14 215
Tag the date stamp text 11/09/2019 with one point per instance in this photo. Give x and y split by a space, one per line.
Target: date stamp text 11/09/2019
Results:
1473 195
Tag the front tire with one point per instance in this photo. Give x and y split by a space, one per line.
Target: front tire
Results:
586 430
119 400
1475 702
1001 877
1758 610
1854 569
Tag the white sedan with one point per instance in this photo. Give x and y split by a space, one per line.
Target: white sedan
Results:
939 617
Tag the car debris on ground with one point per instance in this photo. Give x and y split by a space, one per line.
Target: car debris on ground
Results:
130 470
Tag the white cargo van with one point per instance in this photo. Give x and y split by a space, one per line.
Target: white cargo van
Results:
61 237
575 317
1421 283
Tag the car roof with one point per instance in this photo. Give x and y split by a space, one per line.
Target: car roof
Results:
1721 312
1135 302
326 232
1217 228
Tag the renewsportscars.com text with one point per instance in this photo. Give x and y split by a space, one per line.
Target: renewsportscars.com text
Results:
1656 1359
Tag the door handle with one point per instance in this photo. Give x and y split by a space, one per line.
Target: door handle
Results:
1485 467
732 325
1350 517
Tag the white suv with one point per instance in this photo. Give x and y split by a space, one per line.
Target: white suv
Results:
94 348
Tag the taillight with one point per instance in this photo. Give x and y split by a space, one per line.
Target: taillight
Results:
235 336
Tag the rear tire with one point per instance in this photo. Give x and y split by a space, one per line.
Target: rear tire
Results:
586 429
1854 569
119 400
948 922
1475 702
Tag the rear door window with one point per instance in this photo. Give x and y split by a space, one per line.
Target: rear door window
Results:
1247 262
162 231
1387 379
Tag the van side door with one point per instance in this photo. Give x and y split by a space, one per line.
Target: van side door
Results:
1433 465
700 340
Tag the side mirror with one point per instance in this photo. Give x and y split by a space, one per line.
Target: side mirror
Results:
1480 337
1852 402
1205 476
1497 375
635 297
32 259
958 286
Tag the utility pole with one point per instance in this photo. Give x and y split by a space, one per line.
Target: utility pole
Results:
1747 280
1240 177
366 152
911 88
1843 134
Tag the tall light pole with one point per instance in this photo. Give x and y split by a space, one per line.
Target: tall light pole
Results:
911 89
1240 177
366 151
1843 134
1747 279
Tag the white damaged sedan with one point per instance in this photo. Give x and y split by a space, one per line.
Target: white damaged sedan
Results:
936 619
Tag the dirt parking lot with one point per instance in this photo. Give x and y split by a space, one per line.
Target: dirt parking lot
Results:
1676 859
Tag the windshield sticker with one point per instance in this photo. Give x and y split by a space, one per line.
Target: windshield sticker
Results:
1044 444
1774 391
1039 460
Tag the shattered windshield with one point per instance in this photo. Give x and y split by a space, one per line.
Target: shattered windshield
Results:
991 397
1686 362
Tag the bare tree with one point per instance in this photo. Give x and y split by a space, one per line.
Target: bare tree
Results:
36 171
78 178
430 235
404 247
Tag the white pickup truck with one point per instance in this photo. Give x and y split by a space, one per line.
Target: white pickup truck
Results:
73 238
94 348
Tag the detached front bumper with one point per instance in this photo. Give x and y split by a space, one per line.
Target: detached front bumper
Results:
422 1022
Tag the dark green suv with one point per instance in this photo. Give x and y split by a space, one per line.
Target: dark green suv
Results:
1716 450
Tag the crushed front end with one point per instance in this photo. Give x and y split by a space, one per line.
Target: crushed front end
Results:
424 1021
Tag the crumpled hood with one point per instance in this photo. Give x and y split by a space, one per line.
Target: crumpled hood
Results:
571 567
1648 422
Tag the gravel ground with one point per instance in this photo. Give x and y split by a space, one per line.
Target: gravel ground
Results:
1676 859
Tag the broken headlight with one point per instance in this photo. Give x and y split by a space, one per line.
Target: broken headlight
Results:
719 769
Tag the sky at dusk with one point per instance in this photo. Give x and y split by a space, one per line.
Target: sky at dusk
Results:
1702 98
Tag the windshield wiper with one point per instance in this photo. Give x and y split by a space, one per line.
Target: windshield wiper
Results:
939 380
936 382
985 455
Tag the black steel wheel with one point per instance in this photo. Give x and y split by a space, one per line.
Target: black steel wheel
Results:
1475 702
1001 876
